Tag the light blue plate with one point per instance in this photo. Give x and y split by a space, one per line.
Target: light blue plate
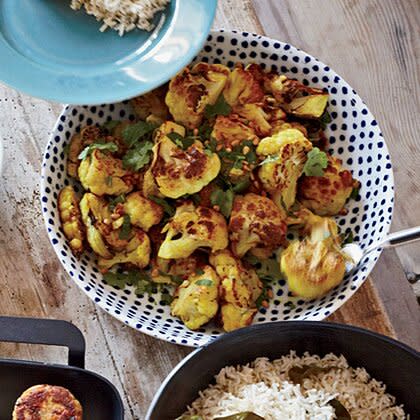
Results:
52 52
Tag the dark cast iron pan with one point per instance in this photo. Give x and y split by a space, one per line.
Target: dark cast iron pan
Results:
387 360
99 398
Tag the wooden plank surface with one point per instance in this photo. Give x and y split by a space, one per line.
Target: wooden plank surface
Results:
32 281
374 46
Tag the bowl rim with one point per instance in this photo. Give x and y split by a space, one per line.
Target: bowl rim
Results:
226 338
177 340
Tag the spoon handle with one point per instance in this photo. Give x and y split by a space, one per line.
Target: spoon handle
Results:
397 238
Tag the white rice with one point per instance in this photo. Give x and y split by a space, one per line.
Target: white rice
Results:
122 15
363 397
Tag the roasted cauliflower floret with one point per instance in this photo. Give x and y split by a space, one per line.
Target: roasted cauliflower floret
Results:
243 87
165 271
137 253
296 98
71 219
240 287
178 172
101 173
196 299
256 225
327 195
231 131
78 142
151 103
192 90
144 213
287 150
314 265
94 211
256 118
192 228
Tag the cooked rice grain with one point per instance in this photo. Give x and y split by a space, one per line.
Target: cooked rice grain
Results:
122 15
364 397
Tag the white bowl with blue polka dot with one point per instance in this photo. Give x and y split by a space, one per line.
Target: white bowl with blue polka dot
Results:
354 137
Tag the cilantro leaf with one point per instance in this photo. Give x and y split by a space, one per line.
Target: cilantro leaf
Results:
121 279
204 282
199 272
325 119
355 193
241 186
110 125
134 132
223 199
251 156
220 107
117 200
111 147
347 238
125 227
267 270
183 142
290 304
138 157
263 297
167 208
316 162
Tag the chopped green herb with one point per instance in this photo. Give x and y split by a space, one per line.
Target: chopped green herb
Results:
110 125
290 304
121 279
355 193
347 238
183 142
251 156
204 131
267 270
135 132
144 286
212 145
166 298
204 282
108 181
125 227
262 297
316 162
241 186
139 156
167 208
223 199
199 272
66 149
117 200
220 107
325 119
111 147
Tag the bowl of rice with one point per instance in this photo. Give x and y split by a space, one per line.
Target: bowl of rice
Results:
293 370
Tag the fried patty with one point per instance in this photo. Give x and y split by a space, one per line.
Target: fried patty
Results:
47 402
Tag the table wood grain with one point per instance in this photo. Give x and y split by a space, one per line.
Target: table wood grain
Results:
373 44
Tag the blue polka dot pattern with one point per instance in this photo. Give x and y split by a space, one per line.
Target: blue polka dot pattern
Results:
355 138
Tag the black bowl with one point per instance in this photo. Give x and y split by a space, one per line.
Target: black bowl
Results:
387 360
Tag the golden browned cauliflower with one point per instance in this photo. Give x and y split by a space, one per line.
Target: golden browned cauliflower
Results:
78 142
101 173
193 228
256 118
95 212
240 287
71 219
196 299
231 131
144 213
165 271
151 103
136 253
256 225
243 87
327 195
192 90
314 265
287 152
178 172
296 98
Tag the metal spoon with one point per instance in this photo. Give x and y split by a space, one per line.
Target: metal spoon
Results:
356 253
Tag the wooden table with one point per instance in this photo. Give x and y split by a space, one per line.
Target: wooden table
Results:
372 44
